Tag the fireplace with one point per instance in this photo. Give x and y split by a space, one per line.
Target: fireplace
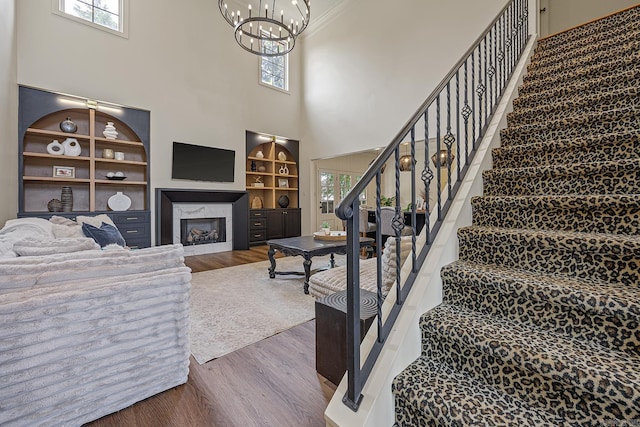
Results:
204 223
236 213
202 231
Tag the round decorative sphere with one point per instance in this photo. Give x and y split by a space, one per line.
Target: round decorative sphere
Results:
54 205
283 201
68 126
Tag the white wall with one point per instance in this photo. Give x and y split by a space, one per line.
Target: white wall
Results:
564 14
8 112
369 67
180 61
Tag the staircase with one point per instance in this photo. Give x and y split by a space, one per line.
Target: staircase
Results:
539 323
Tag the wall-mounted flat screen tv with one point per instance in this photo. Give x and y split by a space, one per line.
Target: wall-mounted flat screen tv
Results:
200 163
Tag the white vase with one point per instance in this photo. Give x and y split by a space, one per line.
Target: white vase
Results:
71 147
54 147
110 131
119 202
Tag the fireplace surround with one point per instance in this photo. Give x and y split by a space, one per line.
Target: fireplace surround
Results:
166 197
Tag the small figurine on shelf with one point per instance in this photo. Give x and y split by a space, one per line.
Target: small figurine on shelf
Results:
67 126
55 148
110 131
66 199
258 182
253 166
71 147
54 205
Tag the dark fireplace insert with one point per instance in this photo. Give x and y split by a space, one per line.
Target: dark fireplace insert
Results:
199 231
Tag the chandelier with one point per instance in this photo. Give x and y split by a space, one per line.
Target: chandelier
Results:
268 30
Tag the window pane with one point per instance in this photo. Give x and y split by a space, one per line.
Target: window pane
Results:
273 68
112 6
326 192
106 19
345 185
102 12
78 8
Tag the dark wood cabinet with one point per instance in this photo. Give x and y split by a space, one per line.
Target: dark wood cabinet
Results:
283 223
257 226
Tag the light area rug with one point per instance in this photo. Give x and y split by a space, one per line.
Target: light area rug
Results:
238 306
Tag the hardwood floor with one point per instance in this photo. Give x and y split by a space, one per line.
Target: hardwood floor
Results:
270 383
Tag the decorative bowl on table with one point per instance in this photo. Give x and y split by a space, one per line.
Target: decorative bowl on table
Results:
333 235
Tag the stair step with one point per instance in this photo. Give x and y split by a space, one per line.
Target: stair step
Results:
628 97
606 257
593 32
600 69
604 178
587 310
596 43
619 214
532 96
578 126
430 393
577 381
553 66
612 147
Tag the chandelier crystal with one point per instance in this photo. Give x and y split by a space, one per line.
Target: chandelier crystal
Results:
268 29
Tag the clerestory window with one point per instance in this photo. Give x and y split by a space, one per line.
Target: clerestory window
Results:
107 15
274 69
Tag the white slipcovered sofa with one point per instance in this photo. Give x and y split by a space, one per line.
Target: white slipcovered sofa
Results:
87 333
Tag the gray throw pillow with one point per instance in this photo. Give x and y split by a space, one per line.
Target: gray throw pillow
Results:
106 234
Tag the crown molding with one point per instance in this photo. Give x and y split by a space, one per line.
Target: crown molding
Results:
323 20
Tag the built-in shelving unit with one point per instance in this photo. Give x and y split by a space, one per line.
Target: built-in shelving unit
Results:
272 172
40 115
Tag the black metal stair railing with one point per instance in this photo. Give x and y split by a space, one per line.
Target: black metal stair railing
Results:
467 97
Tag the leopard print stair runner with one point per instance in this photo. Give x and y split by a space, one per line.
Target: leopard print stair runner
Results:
540 320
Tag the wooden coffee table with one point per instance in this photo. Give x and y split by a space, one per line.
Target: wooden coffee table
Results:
308 247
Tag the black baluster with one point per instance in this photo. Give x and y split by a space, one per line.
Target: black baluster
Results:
379 255
414 267
459 178
466 112
449 140
490 72
438 157
486 81
480 90
398 224
473 99
427 176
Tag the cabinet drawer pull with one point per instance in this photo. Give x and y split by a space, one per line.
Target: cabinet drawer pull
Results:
131 231
256 235
132 218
